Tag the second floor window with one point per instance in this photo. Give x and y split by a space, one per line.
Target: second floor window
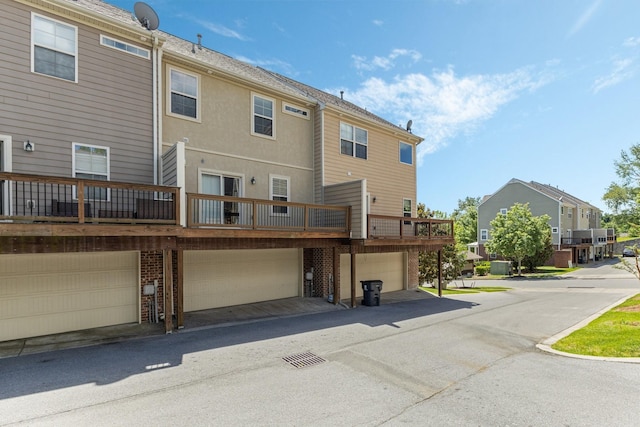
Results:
353 141
406 153
92 162
484 234
54 47
184 94
262 116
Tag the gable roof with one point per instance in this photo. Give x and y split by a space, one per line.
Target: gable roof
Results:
216 62
547 190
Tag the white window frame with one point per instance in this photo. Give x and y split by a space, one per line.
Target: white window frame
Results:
74 53
400 145
111 43
75 171
354 141
493 256
294 110
272 177
255 114
484 232
503 211
554 230
570 213
170 91
6 166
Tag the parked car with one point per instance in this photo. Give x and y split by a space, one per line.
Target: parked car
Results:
628 252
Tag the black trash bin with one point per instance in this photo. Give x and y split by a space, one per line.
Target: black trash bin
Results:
371 292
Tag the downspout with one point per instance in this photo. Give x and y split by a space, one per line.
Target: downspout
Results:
559 225
154 61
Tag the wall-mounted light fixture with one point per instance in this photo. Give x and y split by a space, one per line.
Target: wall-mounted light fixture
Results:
253 180
29 146
374 199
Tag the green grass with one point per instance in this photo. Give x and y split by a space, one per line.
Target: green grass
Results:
614 334
452 290
540 273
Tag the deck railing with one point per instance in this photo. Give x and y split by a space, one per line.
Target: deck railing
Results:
211 211
573 241
33 198
391 227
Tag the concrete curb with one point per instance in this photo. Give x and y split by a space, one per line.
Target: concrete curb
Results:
547 343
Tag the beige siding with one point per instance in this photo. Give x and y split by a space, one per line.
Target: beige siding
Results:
350 194
391 268
111 104
387 179
51 293
232 277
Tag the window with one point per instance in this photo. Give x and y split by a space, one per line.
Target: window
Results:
484 234
406 210
503 211
125 47
406 153
92 162
570 212
493 256
184 94
54 47
296 111
554 230
263 124
353 141
279 193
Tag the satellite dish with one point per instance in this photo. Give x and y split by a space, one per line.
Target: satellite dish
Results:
146 16
409 123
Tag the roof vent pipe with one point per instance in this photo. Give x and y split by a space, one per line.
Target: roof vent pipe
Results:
200 41
342 95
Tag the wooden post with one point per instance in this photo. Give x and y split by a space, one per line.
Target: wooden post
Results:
168 291
336 276
180 289
439 272
353 279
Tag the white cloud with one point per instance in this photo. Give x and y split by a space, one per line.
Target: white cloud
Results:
273 64
584 18
222 30
443 105
622 70
384 62
378 22
632 42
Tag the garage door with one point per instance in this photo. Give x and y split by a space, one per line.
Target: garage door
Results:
388 267
50 293
232 277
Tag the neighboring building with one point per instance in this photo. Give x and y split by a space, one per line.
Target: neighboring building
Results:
144 175
575 224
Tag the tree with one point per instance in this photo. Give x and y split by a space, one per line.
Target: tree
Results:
624 198
453 256
540 257
466 220
518 234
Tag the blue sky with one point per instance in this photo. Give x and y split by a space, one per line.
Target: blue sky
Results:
545 90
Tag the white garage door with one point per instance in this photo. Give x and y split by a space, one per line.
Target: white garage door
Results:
389 267
232 277
50 293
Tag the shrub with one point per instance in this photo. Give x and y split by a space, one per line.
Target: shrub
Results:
482 270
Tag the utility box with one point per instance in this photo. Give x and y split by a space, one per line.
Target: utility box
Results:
500 268
371 292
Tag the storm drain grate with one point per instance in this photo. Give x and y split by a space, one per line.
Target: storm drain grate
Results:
303 360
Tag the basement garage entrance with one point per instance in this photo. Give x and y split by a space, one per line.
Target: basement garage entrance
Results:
52 293
224 278
391 268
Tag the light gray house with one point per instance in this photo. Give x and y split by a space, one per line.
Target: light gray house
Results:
575 224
